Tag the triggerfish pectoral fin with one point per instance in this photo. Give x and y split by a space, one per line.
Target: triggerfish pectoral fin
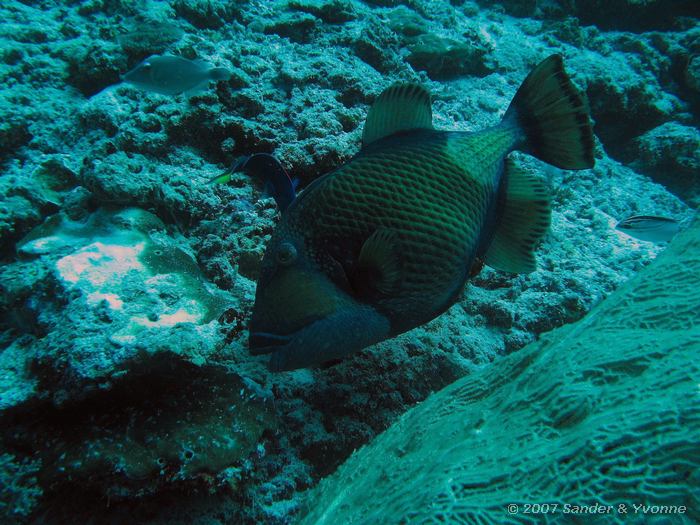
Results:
379 266
270 171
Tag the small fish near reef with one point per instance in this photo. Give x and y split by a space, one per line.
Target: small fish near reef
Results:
386 242
265 167
649 228
173 75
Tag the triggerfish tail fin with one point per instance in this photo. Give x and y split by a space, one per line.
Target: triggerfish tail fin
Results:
268 169
524 221
401 107
552 114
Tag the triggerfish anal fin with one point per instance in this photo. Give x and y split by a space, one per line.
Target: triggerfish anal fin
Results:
267 168
401 107
524 221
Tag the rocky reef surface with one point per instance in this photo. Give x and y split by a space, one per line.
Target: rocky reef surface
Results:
126 280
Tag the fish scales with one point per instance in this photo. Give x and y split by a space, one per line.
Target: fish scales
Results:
439 215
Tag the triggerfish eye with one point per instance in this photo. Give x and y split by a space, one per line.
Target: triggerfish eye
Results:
287 254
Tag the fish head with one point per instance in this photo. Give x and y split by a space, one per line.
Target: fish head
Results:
305 312
141 74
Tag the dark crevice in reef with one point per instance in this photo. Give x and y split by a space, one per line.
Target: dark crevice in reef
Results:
170 427
637 16
608 15
636 129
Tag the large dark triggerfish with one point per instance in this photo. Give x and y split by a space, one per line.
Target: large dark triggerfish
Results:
387 241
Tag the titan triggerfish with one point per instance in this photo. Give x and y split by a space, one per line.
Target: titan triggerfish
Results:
387 241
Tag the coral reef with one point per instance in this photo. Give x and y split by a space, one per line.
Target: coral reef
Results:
121 287
443 58
127 279
670 153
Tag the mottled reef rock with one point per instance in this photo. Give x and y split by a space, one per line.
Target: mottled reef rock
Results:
98 175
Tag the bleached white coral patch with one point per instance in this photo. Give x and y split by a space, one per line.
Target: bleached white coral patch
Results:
191 312
112 299
124 262
100 264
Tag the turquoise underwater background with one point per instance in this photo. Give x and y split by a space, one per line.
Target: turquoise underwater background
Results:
127 278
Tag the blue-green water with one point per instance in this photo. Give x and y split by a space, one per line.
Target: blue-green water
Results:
131 253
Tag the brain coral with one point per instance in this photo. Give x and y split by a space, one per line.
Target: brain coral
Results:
605 411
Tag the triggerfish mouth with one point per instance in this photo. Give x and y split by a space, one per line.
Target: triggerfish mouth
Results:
387 241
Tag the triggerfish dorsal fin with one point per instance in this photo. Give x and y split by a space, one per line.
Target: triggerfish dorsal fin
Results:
379 268
400 107
553 116
524 221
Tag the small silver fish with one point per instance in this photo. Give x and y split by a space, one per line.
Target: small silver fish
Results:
649 227
172 75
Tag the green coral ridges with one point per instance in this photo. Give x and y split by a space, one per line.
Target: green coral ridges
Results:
605 411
